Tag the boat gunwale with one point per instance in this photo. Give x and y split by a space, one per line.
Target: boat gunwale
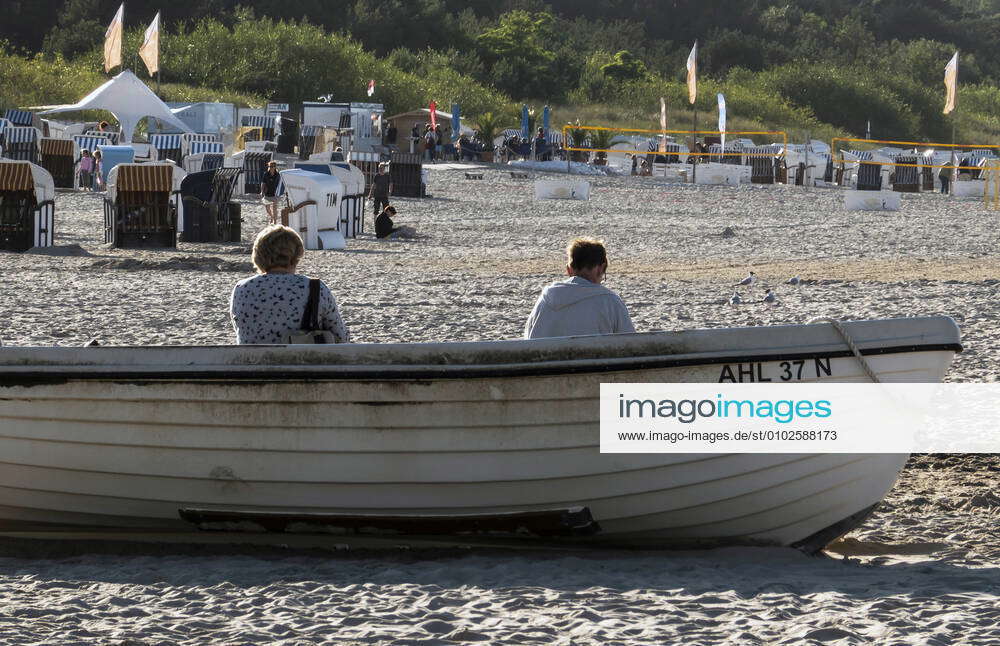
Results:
255 373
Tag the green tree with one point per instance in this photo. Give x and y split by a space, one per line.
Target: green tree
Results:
624 66
516 54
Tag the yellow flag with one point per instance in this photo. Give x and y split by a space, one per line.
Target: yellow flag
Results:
150 50
692 66
113 41
951 83
663 125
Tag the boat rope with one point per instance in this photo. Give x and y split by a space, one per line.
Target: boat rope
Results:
842 331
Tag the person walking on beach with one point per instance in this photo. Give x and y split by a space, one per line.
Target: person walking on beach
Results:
430 139
380 190
269 192
269 307
580 304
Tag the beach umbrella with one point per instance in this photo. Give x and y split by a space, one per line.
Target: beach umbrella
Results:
546 115
456 121
525 127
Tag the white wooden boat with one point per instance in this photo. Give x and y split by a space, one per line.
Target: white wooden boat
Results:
125 437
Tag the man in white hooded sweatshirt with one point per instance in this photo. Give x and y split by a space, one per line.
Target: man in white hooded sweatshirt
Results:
579 304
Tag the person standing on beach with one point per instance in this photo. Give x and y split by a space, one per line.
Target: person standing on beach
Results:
86 170
269 192
945 176
580 304
98 181
381 188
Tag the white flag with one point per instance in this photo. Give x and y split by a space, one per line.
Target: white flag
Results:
113 41
692 66
722 119
663 125
951 83
150 50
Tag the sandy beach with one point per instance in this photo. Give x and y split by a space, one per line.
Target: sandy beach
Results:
924 569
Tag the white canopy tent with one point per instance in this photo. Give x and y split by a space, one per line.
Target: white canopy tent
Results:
128 99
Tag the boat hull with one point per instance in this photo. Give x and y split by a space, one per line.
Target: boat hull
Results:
126 439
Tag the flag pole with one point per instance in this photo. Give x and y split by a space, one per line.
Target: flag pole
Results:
694 146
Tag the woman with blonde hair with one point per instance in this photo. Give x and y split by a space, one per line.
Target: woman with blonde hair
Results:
273 305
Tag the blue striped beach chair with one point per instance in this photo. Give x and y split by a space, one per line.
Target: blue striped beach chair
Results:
20 117
168 147
20 143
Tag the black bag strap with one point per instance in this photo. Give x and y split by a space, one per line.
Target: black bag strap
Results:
310 319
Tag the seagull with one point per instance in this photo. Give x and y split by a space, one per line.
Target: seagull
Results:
794 280
735 298
748 281
770 298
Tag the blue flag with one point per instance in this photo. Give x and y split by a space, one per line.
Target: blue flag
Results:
525 126
456 122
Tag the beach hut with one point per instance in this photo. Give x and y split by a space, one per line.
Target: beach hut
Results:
20 143
314 209
59 157
359 124
142 204
27 206
168 146
209 213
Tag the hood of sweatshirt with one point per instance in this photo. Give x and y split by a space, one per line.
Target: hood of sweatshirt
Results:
570 292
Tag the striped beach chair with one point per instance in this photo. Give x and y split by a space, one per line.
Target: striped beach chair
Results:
27 206
196 147
168 147
188 139
90 142
731 154
20 143
254 167
266 124
308 136
906 179
20 117
111 135
210 215
141 205
59 157
870 174
761 161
